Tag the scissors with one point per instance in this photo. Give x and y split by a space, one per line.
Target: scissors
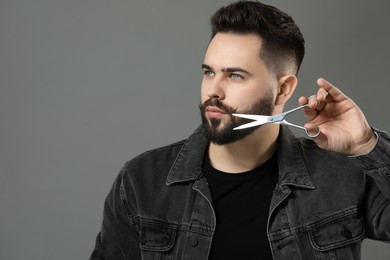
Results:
279 118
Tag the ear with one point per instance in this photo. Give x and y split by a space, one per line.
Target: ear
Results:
287 85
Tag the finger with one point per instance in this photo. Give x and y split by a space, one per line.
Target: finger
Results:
333 92
302 101
322 94
318 101
313 102
323 83
309 112
315 132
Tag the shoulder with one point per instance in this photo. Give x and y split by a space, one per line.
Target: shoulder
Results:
160 160
312 152
155 159
325 162
144 176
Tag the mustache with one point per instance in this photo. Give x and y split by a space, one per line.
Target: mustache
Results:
217 103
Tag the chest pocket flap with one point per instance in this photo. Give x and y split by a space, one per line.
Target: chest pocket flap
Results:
337 233
157 238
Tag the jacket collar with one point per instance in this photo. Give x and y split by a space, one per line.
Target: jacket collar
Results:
189 162
292 169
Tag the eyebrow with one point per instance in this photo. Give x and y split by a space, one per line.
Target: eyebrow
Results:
232 69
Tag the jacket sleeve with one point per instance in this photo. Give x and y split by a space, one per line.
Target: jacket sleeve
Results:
117 240
376 166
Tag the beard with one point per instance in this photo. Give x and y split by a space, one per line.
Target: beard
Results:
220 133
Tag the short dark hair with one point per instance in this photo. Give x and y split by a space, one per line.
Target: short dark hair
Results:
282 42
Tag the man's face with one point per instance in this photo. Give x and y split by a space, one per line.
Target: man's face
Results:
235 80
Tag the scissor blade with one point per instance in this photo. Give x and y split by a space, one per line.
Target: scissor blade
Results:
253 117
259 120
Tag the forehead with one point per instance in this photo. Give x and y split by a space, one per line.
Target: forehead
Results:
230 49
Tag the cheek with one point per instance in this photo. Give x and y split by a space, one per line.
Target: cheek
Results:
243 99
203 91
203 95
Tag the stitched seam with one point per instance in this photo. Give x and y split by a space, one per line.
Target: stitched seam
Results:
315 224
137 220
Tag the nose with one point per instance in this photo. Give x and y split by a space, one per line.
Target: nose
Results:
215 88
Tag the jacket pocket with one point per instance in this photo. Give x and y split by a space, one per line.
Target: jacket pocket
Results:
339 235
156 241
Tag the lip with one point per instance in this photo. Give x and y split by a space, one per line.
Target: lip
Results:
216 112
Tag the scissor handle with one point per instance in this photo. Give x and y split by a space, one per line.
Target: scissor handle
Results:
285 122
307 132
295 109
313 135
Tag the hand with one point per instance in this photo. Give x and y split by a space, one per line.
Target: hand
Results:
343 125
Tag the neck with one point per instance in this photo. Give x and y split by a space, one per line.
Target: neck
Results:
247 153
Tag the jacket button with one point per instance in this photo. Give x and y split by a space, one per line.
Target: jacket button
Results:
193 241
143 240
347 233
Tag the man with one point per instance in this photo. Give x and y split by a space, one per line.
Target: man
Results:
258 193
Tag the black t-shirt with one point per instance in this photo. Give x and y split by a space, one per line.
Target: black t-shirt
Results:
241 203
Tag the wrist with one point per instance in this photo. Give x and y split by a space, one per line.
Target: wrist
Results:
367 146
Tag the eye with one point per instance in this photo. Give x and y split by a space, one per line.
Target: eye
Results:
208 73
236 76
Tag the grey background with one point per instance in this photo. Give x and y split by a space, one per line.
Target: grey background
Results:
86 85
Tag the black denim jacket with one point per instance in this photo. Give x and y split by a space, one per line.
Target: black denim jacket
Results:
323 206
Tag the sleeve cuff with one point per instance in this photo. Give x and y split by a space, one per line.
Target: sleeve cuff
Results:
379 156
